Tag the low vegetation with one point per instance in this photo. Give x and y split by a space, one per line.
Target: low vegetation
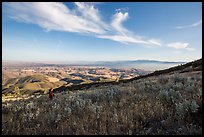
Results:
169 104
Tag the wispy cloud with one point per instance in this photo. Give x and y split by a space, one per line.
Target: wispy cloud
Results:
190 26
125 36
180 45
54 16
117 21
85 18
88 11
124 39
155 42
122 9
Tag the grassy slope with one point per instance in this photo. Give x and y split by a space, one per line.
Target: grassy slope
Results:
40 82
166 104
29 84
191 66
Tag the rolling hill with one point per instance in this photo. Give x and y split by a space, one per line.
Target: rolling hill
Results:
30 84
166 102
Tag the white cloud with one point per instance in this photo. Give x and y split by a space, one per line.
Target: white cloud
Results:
125 36
180 45
52 16
190 26
156 42
84 18
118 18
196 23
88 11
131 40
122 9
123 39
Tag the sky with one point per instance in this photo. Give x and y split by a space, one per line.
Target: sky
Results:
101 31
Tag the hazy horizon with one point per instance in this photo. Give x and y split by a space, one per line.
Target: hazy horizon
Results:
85 61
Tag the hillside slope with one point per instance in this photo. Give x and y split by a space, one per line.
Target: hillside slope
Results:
188 67
167 102
29 84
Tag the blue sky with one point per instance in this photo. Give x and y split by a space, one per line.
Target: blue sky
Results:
63 32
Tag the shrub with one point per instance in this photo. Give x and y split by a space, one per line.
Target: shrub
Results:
162 79
96 109
183 109
170 96
179 78
174 95
119 109
77 105
148 86
111 93
177 86
194 106
190 88
164 96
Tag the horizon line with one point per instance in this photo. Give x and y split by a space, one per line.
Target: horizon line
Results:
86 61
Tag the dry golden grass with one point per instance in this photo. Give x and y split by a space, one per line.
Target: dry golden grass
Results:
52 79
168 105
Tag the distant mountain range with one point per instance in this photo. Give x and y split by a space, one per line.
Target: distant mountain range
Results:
149 65
144 61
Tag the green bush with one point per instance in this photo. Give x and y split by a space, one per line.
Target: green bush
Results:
183 109
170 96
179 79
194 106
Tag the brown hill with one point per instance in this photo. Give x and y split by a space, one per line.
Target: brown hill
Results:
167 102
